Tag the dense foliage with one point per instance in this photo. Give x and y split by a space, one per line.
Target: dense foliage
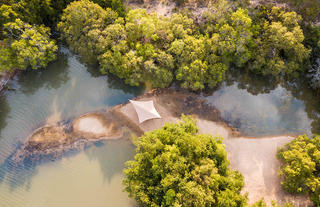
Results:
301 167
83 25
25 45
48 12
279 43
309 9
143 48
24 36
175 166
262 203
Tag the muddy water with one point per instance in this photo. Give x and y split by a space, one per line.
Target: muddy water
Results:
65 89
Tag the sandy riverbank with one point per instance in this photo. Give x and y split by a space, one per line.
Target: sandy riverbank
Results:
254 158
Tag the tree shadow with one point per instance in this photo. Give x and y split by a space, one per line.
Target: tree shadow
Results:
53 76
4 111
301 90
254 83
112 155
115 82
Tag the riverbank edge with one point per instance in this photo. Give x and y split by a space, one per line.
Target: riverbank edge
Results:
180 102
5 77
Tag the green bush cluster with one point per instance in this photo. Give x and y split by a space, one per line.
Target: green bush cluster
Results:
24 31
301 167
262 203
143 48
176 166
23 45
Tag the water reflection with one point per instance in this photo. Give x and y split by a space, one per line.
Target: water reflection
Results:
253 83
274 113
117 153
52 77
60 92
264 106
4 111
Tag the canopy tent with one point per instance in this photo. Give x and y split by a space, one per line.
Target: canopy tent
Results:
145 110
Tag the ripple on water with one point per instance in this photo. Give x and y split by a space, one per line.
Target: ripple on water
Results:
62 91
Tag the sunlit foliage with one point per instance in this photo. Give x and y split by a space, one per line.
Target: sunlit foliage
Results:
83 25
279 44
26 45
175 166
301 167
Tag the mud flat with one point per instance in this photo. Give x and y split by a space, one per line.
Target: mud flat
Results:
53 140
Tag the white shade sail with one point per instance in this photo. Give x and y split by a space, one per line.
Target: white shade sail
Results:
145 110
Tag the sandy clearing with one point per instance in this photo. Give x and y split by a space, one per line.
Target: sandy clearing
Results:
97 126
256 160
91 125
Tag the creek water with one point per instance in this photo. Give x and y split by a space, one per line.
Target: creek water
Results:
62 91
92 177
262 106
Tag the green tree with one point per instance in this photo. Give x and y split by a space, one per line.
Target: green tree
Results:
301 167
235 38
141 57
218 13
83 25
26 45
197 64
7 14
175 166
309 9
115 5
279 45
48 12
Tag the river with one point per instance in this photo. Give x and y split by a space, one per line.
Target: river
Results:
92 177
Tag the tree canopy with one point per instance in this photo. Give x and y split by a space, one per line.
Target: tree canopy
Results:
83 26
175 166
143 47
301 167
279 45
26 45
